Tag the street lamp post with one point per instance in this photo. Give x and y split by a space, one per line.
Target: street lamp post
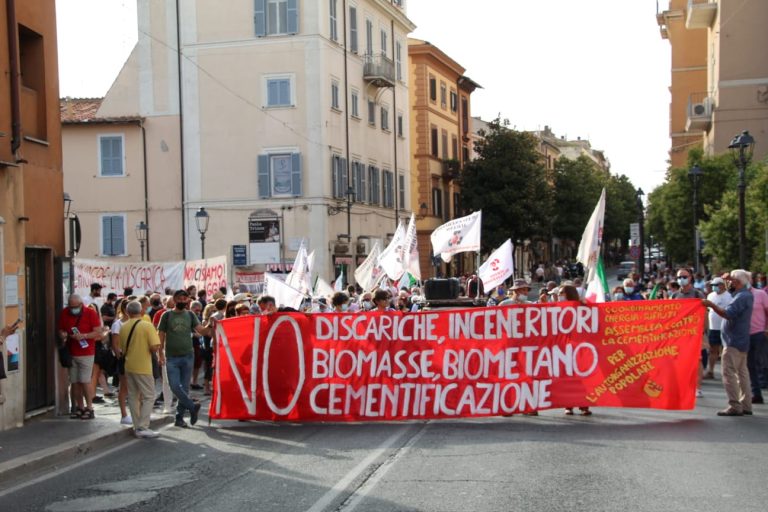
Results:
741 148
695 175
641 220
141 235
201 219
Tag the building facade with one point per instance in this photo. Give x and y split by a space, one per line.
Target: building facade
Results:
285 114
441 135
31 209
719 84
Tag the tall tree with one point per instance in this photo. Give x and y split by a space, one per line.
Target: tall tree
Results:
578 184
508 182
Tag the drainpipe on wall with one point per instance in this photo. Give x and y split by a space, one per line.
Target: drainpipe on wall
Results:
181 141
13 61
346 126
396 184
146 181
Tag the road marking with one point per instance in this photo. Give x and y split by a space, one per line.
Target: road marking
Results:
368 485
65 469
355 472
61 471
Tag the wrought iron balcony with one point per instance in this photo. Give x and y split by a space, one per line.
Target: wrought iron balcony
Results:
451 169
379 70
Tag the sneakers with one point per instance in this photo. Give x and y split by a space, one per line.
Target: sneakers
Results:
181 424
98 399
193 414
196 387
758 400
145 433
699 393
730 412
126 420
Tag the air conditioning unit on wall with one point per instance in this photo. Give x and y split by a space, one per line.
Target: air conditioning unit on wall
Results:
702 109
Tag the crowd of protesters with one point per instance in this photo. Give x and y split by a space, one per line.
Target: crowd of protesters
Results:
141 342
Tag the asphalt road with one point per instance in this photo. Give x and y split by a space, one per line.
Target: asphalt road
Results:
618 459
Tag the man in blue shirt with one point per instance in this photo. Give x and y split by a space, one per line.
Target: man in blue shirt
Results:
735 334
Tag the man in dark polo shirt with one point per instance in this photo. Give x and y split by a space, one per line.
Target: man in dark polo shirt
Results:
176 352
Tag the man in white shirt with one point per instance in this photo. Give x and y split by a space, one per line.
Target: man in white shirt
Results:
721 298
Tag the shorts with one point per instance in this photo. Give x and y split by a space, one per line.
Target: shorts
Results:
81 370
714 337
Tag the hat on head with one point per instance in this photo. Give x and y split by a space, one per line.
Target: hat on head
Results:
717 280
520 283
241 297
218 295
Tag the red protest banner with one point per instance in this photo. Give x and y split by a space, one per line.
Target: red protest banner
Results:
458 363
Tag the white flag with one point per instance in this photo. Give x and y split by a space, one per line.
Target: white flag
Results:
411 252
339 284
284 294
299 277
322 288
458 235
591 241
392 259
498 267
369 271
310 263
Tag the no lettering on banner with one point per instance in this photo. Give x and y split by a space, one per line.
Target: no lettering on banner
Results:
458 363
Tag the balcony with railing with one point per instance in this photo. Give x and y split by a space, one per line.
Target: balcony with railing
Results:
379 70
700 107
451 169
700 13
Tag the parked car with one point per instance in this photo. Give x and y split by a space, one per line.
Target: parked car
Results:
625 269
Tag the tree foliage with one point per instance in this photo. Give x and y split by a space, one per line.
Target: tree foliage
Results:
509 183
670 212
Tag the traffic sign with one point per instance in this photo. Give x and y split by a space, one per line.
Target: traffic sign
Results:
634 233
634 252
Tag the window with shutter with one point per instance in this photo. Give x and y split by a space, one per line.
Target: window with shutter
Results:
278 92
445 144
373 185
111 155
296 181
401 190
368 37
399 61
385 119
355 104
371 113
353 29
384 42
335 95
334 26
443 95
432 89
276 17
434 149
263 176
399 124
113 235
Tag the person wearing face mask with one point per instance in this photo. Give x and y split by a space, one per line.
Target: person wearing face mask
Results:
340 301
618 293
176 329
721 298
79 328
687 291
630 290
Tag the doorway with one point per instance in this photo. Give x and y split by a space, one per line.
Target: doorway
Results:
38 362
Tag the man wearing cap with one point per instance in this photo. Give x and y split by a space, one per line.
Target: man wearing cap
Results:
721 298
176 352
518 294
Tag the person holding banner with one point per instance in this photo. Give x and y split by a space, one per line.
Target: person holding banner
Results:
568 292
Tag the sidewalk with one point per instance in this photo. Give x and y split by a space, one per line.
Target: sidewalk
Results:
48 441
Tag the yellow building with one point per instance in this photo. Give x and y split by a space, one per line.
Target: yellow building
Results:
32 256
719 84
441 131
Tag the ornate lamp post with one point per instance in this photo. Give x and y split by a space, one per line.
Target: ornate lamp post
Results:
695 175
742 146
201 219
141 235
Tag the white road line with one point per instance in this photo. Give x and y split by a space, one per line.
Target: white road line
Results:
355 472
70 467
362 492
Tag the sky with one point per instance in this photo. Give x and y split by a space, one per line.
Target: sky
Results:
595 69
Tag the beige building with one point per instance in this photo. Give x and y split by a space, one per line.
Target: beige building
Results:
440 111
120 173
719 84
276 113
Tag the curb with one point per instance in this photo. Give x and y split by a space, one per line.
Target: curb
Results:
16 470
